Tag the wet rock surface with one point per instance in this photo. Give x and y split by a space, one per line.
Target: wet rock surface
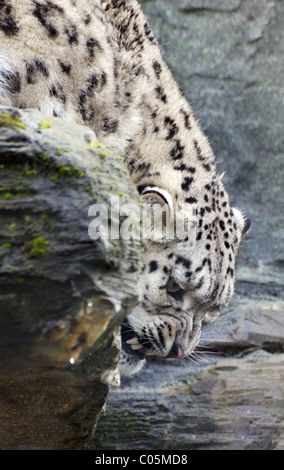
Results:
62 293
228 60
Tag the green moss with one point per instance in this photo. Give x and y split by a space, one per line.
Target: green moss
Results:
64 170
110 187
60 151
6 120
68 170
7 245
96 144
31 173
19 279
48 222
46 124
5 196
37 247
60 169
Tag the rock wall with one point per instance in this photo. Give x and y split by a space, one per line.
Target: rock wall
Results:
62 294
228 60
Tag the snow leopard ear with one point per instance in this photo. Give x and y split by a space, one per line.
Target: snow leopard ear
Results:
159 215
243 222
154 195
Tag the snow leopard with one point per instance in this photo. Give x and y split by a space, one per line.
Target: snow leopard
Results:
98 63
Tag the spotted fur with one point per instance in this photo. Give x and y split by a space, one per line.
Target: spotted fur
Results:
97 62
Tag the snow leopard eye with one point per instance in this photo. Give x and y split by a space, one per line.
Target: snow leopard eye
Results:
172 286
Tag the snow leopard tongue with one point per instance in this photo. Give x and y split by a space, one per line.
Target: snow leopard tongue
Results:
145 351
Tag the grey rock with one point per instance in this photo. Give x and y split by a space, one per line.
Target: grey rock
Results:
229 404
209 5
62 293
248 324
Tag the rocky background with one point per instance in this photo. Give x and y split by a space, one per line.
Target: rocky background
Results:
62 294
228 59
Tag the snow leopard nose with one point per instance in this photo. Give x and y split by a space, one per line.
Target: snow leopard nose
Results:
176 352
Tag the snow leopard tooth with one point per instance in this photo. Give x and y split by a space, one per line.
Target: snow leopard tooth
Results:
136 346
133 341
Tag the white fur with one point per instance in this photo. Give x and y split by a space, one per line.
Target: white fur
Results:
5 70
